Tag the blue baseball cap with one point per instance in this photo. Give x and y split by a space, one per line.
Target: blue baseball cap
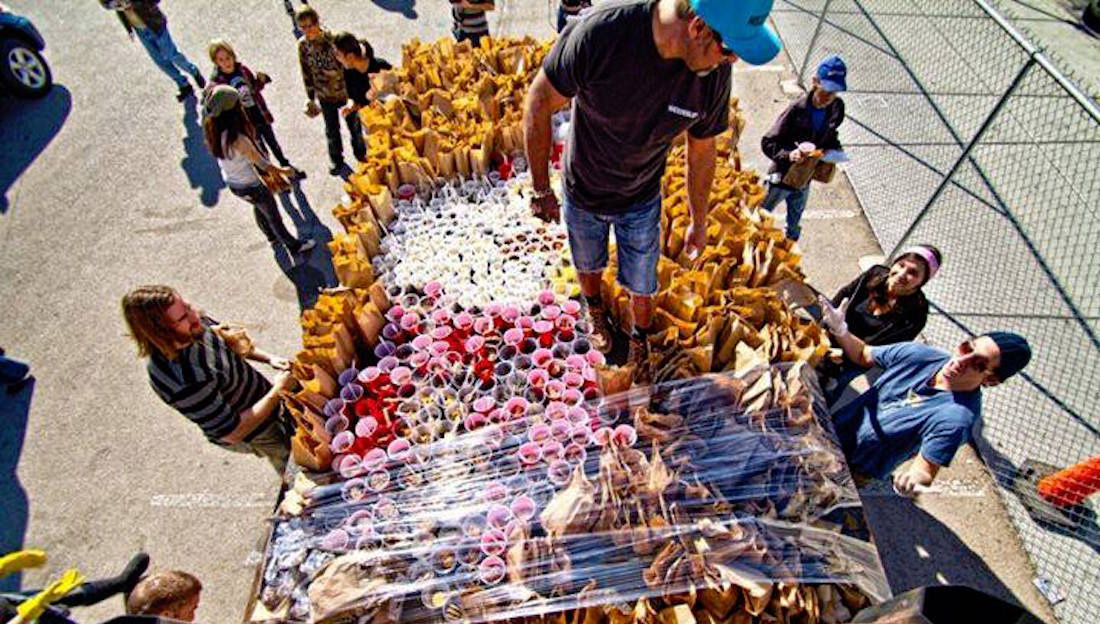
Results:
743 26
832 74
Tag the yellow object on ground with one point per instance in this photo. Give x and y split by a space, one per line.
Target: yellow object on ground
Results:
31 609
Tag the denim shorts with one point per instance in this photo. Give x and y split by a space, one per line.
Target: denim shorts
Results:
637 239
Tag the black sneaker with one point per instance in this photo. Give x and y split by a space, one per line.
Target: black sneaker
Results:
337 170
186 91
306 245
199 80
601 336
297 174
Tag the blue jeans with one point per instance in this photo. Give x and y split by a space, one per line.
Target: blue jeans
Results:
331 113
796 203
637 240
266 212
165 55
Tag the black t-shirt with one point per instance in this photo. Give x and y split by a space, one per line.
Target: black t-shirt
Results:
358 83
628 105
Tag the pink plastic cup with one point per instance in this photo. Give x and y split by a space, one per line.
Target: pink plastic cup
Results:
550 313
398 449
537 378
555 390
560 430
572 397
559 472
556 410
571 307
575 454
523 508
595 358
374 459
342 442
421 342
509 314
552 451
433 289
464 321
575 363
602 436
516 407
580 435
539 434
513 337
475 420
350 466
573 380
494 542
542 357
498 516
546 297
401 375
529 453
484 405
624 435
484 325
474 344
578 416
494 493
492 570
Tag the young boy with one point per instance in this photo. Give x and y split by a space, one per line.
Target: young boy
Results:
357 57
324 80
172 594
809 123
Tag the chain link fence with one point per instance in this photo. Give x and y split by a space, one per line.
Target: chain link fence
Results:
963 135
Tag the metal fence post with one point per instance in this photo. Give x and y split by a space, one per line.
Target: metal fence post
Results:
813 42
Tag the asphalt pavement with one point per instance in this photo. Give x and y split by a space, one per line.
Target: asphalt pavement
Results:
106 185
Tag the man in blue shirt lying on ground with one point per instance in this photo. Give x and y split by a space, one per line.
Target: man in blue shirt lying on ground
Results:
924 403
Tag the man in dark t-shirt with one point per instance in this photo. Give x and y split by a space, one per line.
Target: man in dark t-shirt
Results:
639 74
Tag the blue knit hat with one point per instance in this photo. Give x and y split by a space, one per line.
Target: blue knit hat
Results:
1015 353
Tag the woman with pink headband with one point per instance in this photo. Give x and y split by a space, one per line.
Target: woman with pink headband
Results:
885 304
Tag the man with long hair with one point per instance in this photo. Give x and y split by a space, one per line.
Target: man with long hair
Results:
194 369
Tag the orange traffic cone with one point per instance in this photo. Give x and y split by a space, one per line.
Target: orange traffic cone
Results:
1072 485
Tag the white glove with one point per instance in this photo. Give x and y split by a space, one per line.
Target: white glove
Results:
833 318
806 147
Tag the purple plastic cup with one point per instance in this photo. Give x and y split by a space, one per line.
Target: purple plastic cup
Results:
334 407
347 376
336 424
387 364
352 392
383 348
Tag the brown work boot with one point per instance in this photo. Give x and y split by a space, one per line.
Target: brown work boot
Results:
600 337
638 357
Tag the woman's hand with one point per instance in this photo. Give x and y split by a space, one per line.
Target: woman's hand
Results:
279 363
833 318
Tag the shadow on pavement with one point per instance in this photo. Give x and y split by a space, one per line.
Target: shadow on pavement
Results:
314 270
198 163
918 550
404 7
26 128
14 507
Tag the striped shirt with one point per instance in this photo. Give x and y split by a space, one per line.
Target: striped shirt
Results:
573 7
472 21
210 385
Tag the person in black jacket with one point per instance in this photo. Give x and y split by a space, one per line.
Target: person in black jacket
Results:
809 123
885 305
